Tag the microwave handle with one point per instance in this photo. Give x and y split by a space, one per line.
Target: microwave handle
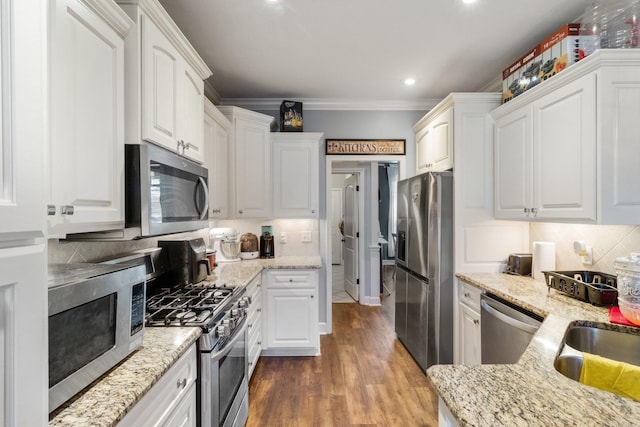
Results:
203 212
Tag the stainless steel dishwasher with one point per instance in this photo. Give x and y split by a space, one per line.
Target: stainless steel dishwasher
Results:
506 330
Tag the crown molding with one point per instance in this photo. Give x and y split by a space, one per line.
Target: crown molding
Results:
494 85
211 93
112 14
334 104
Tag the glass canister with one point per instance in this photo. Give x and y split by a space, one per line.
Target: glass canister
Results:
614 21
628 272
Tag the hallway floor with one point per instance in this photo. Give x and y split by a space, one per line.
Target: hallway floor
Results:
364 377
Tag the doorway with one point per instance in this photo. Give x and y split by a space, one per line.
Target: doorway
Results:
345 226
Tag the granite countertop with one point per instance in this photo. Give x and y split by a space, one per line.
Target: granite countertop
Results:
532 392
109 399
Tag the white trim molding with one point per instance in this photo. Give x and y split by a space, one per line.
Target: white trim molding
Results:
335 104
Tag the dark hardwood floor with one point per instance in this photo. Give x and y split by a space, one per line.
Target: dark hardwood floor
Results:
364 377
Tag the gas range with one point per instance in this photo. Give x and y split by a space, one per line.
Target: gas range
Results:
218 309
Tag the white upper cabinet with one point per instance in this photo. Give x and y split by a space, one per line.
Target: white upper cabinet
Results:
21 120
295 174
165 83
434 141
86 146
217 129
567 150
251 162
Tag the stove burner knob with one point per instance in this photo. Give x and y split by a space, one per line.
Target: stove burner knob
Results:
236 312
229 322
222 331
243 303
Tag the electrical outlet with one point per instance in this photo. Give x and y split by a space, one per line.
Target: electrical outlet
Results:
283 237
306 237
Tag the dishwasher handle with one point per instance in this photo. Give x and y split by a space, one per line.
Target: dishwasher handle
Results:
508 319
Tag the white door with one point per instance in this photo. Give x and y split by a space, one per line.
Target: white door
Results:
336 235
351 236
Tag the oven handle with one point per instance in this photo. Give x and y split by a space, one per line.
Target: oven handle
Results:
229 345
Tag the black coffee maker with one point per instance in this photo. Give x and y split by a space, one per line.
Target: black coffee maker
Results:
267 245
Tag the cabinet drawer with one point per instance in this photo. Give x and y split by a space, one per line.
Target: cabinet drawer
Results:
469 295
253 322
160 402
253 289
289 278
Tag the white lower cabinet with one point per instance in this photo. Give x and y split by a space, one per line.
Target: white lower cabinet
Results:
445 417
172 400
254 324
291 306
469 324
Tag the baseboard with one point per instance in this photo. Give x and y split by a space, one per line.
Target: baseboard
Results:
322 327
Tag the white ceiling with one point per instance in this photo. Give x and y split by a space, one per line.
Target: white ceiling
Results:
362 50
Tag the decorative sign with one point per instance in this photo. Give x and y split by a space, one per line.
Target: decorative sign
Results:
366 146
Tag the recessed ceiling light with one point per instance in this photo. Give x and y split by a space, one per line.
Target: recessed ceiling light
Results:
468 1
273 1
410 81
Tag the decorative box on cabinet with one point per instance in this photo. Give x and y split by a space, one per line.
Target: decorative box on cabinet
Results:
291 313
250 159
165 82
172 400
254 324
469 323
567 149
295 174
217 129
434 141
86 144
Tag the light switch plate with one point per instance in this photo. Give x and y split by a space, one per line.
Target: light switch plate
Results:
283 237
306 237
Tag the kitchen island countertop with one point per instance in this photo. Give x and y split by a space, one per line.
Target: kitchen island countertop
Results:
531 392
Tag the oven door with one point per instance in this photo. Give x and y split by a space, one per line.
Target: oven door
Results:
224 387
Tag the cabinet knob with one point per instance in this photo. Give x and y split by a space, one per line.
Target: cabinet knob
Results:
310 296
526 210
534 211
240 211
66 210
51 209
313 211
259 310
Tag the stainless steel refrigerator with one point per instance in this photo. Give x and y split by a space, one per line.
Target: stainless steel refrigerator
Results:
424 267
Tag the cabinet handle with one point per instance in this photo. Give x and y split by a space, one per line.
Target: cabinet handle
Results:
180 143
534 211
216 211
250 363
259 310
250 325
259 342
476 322
182 383
51 209
66 210
526 211
466 295
240 211
310 296
258 285
313 211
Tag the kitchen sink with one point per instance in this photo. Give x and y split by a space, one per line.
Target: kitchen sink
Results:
617 345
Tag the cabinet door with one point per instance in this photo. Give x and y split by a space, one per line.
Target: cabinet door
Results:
252 169
422 147
23 336
161 69
513 165
440 152
564 155
295 179
21 118
292 318
216 144
185 413
193 110
86 154
469 336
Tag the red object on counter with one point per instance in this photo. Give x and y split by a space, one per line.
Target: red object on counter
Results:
615 316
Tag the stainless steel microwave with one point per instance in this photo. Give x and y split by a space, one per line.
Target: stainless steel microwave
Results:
164 192
96 319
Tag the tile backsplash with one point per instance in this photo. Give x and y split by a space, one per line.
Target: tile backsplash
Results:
608 241
63 251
